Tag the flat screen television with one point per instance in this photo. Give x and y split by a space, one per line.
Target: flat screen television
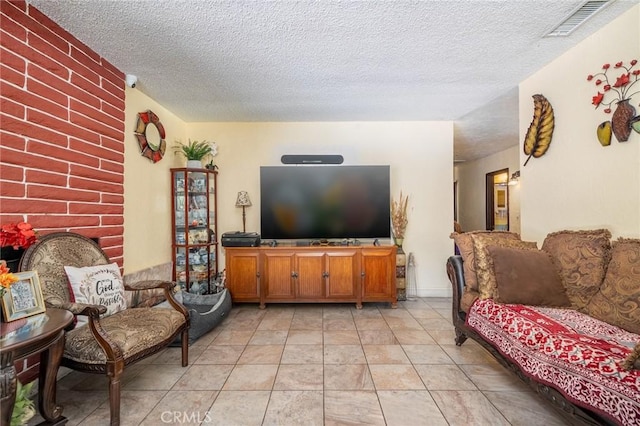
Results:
324 202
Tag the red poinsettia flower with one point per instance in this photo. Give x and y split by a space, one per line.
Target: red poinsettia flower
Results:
597 99
17 235
622 80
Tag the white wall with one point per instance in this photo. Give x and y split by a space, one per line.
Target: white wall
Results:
147 188
578 184
420 155
471 189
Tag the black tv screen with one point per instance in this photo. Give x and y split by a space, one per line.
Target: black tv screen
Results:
324 202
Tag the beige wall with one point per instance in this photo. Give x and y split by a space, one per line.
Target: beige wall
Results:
471 189
419 153
147 188
578 184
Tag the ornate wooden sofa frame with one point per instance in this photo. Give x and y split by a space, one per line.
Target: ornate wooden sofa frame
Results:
575 415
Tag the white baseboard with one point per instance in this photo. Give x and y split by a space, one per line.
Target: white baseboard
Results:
435 292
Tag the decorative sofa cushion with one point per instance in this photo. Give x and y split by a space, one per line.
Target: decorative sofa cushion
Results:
633 360
465 245
582 258
618 299
484 262
527 277
97 285
467 299
579 356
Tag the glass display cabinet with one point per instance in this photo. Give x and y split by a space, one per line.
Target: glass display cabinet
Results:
194 246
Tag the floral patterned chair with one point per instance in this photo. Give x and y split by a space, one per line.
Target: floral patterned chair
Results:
105 345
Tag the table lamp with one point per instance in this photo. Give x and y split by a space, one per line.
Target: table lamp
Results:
244 202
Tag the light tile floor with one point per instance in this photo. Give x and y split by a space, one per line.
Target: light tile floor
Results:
317 364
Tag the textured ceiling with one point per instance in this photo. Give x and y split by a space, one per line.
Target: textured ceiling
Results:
338 60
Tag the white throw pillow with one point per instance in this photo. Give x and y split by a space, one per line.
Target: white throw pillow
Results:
97 285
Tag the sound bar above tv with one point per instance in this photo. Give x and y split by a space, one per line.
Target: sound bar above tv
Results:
312 159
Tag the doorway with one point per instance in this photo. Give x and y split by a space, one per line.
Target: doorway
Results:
497 200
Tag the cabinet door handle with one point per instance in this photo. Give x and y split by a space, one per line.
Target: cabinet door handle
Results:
362 274
325 274
294 274
258 274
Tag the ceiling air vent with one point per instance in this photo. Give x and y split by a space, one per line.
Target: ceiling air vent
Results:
577 18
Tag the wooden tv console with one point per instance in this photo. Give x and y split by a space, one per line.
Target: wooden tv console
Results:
317 274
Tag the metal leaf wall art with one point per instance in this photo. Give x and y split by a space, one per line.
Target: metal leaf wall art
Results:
540 132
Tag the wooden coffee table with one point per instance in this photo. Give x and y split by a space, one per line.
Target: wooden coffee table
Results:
43 334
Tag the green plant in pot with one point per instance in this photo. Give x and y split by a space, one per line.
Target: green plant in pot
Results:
24 408
193 151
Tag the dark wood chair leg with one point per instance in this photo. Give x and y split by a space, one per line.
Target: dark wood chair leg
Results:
185 347
114 399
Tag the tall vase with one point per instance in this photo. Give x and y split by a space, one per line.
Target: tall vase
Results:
12 257
621 120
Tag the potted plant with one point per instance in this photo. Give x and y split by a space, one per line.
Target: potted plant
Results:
24 408
194 152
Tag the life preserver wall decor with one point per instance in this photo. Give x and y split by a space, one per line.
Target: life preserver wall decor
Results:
540 132
151 136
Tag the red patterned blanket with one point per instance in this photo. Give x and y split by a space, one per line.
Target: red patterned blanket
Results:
578 355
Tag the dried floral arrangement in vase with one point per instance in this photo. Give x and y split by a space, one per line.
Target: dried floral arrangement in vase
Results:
623 119
399 219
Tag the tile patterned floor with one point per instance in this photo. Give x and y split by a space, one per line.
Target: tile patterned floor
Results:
317 365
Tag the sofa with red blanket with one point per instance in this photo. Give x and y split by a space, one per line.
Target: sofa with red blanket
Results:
565 318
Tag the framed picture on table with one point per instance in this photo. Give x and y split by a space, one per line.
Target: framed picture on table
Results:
23 298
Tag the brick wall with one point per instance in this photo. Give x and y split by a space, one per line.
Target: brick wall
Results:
61 131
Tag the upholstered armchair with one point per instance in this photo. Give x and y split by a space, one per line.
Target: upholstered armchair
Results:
106 344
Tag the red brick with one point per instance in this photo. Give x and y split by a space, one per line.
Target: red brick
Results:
24 128
111 220
63 86
76 44
93 185
12 189
116 113
19 4
94 125
57 193
64 221
53 123
48 93
95 209
113 144
13 61
9 107
47 49
112 199
13 26
90 87
44 177
96 174
13 141
10 76
38 24
28 99
93 149
22 206
108 233
27 159
55 152
116 71
89 63
97 115
33 55
111 166
11 218
9 172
